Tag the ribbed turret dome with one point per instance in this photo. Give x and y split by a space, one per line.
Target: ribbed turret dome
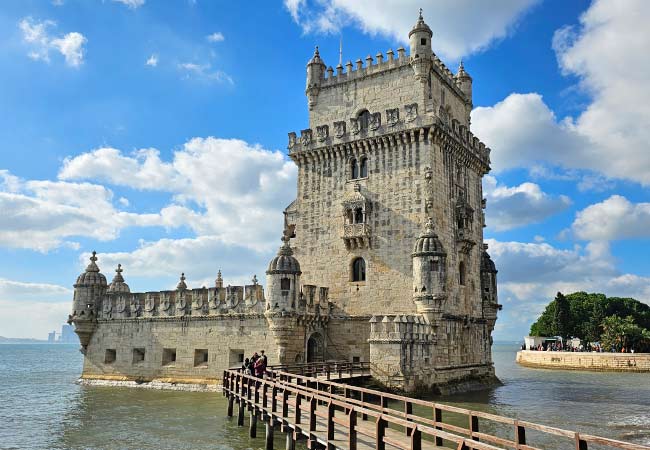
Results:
487 265
91 276
462 74
118 285
428 242
316 59
284 262
421 26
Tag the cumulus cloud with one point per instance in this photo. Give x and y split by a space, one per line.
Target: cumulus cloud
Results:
530 274
460 27
204 72
41 43
239 188
612 219
217 36
42 215
609 136
517 206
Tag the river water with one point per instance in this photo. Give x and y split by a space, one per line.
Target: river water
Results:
42 408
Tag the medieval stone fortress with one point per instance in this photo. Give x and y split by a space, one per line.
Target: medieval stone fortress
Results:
382 257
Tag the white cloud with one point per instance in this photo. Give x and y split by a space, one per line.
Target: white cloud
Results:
459 27
217 36
124 201
36 35
152 60
612 219
133 4
511 207
42 215
610 136
204 72
239 189
44 307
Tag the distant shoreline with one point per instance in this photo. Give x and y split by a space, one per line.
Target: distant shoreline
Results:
600 362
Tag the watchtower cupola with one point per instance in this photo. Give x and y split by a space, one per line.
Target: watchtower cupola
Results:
429 273
315 76
420 43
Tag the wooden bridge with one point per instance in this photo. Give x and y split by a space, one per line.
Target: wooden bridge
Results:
315 405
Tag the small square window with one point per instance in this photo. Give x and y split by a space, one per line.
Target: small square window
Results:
423 41
356 359
169 356
201 358
110 356
138 355
235 357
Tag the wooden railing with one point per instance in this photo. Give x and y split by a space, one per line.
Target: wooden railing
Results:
285 398
330 369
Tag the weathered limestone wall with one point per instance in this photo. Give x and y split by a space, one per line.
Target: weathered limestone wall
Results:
223 338
619 362
347 338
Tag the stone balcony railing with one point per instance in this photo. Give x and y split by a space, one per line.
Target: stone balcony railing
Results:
356 235
465 240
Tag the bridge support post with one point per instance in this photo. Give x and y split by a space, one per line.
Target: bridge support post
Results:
252 432
291 442
269 434
231 401
240 413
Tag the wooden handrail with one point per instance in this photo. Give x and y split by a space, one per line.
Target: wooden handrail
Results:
342 396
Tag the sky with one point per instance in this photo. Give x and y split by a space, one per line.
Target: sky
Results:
155 133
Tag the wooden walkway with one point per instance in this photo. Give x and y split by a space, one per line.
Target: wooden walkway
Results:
332 415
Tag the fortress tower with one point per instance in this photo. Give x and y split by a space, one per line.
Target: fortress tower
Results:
382 256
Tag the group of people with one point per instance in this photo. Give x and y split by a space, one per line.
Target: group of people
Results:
590 347
255 365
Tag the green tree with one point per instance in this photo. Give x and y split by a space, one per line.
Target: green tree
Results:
562 318
619 333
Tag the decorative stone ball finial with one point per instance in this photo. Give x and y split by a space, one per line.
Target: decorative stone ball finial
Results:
428 226
181 284
420 15
92 267
119 268
94 257
254 279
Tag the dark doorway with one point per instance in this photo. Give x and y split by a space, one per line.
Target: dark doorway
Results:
316 348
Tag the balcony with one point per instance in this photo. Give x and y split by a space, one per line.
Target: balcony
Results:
356 235
464 240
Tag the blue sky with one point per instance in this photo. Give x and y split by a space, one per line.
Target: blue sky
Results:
155 133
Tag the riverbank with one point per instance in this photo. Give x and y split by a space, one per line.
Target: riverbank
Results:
601 362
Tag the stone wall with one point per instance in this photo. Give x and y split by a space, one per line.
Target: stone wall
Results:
618 362
224 338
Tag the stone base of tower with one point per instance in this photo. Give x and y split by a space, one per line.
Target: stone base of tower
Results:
411 355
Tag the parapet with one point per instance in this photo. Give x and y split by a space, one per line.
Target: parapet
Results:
411 328
184 302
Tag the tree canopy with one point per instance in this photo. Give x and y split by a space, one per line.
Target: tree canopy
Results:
595 317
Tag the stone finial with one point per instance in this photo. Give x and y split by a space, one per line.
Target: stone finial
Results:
339 69
330 72
368 61
390 54
254 280
348 66
219 281
380 58
420 15
359 64
92 267
428 226
401 53
118 274
181 284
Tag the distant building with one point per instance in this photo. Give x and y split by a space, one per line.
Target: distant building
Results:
68 336
51 337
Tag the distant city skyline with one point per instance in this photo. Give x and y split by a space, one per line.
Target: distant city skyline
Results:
154 156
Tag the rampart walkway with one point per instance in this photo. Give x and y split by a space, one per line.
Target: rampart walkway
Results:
332 415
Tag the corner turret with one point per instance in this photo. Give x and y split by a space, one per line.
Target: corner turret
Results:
421 53
489 288
88 292
464 81
429 274
118 286
283 279
315 77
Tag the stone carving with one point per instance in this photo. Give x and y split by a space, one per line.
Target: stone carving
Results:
197 302
392 116
355 126
339 129
165 303
292 140
149 303
134 306
322 132
107 307
305 136
181 304
375 121
411 112
120 305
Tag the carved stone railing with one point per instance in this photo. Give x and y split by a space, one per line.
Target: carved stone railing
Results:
356 235
465 240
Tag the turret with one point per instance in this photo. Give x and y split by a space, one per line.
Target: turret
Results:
429 274
421 53
88 292
464 82
118 286
283 279
489 287
315 76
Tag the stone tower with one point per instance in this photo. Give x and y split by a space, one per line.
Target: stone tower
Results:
388 153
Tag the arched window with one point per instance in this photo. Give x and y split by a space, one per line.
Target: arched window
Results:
354 169
358 215
461 273
363 168
434 265
363 117
359 270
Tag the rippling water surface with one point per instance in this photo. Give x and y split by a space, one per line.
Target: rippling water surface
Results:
42 408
